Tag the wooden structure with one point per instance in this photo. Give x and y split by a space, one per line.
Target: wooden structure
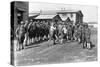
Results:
19 13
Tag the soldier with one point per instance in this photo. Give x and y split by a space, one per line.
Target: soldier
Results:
83 36
80 33
87 37
60 33
69 27
26 34
52 32
20 34
73 28
31 27
65 31
75 34
55 33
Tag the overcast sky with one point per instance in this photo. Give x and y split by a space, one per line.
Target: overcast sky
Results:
89 12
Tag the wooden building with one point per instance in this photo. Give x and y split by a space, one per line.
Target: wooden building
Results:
19 12
61 15
71 16
48 18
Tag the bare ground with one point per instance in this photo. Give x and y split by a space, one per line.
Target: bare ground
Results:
67 52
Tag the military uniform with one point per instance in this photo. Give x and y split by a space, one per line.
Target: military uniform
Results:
65 31
86 32
75 35
80 34
20 31
69 32
87 37
53 33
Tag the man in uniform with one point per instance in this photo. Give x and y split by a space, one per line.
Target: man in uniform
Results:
75 35
52 32
60 33
80 33
65 31
69 27
87 34
20 34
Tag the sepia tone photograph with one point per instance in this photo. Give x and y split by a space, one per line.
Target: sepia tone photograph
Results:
49 33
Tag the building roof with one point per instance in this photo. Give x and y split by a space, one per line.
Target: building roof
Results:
33 14
55 12
45 16
60 11
70 11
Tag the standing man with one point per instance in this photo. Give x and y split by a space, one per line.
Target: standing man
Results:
20 34
64 29
80 33
69 32
52 32
87 37
75 35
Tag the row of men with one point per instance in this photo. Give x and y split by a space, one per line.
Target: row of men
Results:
27 33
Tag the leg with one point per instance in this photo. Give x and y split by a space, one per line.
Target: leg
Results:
25 40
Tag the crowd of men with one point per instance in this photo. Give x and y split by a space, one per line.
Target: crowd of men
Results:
31 32
35 31
69 32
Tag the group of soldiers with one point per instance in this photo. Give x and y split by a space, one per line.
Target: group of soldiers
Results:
28 33
31 32
71 32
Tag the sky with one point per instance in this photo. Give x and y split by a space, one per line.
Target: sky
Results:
90 12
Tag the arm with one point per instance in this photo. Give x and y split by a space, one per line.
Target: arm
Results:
26 24
16 32
29 25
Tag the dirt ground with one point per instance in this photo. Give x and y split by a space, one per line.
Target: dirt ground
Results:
67 52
